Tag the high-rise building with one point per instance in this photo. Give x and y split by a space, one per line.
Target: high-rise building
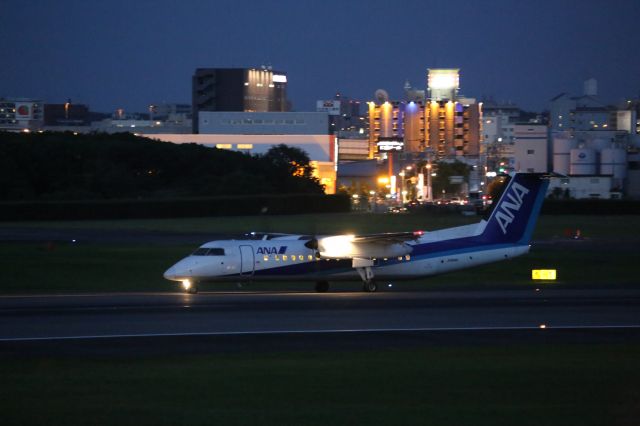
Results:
386 127
445 124
238 89
447 128
452 122
452 128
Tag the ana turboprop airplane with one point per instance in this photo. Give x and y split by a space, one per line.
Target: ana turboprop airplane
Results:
388 256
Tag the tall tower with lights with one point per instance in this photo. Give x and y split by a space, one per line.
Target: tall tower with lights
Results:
452 122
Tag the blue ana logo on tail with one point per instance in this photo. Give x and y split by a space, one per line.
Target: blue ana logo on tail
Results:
510 204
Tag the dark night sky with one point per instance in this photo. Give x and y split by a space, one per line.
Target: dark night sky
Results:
132 53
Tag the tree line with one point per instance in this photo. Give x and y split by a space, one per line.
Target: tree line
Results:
68 166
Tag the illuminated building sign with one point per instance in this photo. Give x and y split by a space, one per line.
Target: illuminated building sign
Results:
390 145
279 78
444 79
23 110
443 83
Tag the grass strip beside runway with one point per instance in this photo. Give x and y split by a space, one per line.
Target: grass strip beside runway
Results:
443 385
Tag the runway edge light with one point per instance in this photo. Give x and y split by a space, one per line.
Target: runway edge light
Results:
543 274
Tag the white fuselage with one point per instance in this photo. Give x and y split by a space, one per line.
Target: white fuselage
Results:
287 258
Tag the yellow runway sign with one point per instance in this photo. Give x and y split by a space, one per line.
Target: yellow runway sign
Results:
543 274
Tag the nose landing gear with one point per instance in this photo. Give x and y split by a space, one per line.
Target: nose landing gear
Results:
370 286
190 286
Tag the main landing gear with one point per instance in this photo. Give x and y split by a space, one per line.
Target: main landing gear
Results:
363 266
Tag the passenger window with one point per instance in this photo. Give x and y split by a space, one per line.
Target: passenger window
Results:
265 258
284 257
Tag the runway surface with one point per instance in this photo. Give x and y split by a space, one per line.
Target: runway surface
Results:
219 321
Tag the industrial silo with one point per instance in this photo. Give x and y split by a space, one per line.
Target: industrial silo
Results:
561 149
582 161
613 161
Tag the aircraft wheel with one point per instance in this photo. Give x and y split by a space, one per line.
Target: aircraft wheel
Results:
322 286
370 286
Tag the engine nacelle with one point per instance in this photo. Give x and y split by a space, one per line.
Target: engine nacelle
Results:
343 247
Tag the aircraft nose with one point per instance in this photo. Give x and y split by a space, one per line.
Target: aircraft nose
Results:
170 274
180 270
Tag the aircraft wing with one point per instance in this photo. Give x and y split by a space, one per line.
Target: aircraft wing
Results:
388 237
390 244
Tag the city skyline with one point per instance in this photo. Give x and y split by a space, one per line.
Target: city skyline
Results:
128 55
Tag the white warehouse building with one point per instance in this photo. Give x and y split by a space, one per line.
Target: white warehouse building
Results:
257 132
531 148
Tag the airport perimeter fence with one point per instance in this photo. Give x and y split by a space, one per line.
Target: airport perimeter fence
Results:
174 208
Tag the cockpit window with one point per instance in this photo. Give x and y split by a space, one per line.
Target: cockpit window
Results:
208 252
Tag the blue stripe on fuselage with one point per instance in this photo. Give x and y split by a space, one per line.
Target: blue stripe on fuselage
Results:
424 251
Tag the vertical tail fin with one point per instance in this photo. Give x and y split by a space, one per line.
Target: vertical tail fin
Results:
514 217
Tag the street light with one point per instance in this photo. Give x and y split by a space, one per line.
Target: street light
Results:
429 197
